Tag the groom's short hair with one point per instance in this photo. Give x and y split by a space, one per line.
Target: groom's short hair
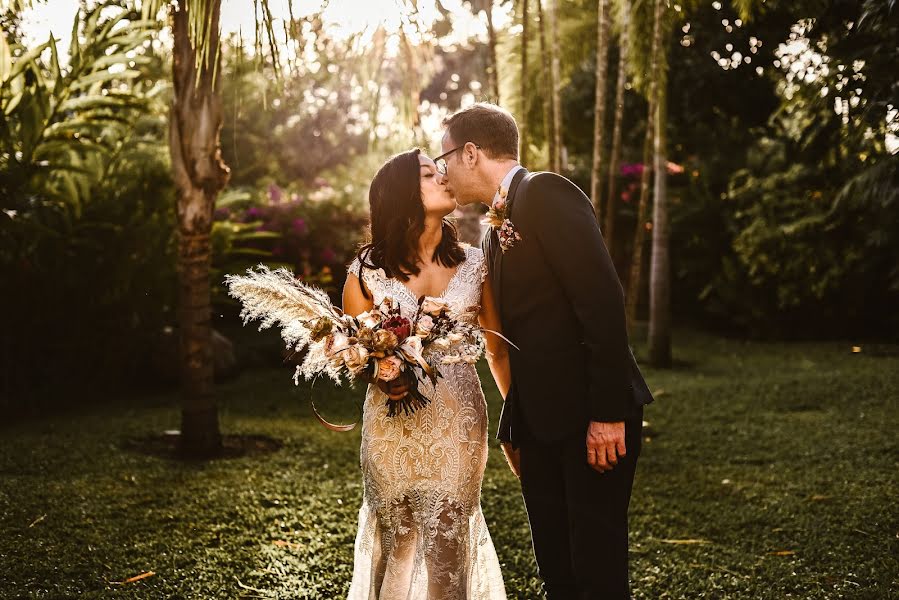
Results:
489 126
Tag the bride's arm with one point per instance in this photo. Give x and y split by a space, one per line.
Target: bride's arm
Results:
354 301
497 348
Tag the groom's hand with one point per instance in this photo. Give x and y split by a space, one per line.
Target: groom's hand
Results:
605 445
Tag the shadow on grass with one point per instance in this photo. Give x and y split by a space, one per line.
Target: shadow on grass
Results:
167 445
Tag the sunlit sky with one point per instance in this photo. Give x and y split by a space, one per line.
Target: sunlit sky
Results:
344 17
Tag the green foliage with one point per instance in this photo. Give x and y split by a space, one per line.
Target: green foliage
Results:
59 127
745 466
87 216
812 214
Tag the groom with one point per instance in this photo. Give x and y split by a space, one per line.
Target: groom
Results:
572 419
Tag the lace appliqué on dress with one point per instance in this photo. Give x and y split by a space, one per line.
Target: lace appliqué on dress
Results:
422 535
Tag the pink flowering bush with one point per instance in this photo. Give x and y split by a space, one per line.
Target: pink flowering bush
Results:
313 230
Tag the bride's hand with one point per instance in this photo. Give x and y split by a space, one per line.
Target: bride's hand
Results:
513 457
395 389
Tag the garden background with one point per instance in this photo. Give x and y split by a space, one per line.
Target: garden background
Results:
742 159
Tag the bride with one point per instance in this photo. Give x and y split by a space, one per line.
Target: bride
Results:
422 534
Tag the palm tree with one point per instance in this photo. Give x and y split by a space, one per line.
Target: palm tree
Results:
491 38
556 79
644 66
199 174
602 51
615 155
635 278
660 269
548 88
523 94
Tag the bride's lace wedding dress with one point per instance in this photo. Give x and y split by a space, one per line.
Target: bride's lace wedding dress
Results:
422 535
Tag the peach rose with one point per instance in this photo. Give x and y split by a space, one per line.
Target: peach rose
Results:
389 368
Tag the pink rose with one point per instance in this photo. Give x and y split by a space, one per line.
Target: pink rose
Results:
424 326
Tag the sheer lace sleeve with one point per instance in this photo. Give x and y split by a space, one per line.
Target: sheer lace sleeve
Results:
481 262
372 278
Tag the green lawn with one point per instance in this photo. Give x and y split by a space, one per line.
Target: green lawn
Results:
770 473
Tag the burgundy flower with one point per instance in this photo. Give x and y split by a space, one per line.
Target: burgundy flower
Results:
299 226
400 326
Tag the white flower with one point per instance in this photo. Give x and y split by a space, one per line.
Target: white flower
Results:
441 344
455 337
336 343
433 306
367 319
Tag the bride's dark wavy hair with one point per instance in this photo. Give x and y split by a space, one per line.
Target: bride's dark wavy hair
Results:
398 219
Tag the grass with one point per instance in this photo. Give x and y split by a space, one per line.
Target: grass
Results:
770 472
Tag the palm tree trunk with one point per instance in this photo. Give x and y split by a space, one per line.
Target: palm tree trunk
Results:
199 174
660 271
548 110
615 156
599 113
491 40
555 51
635 279
412 93
523 83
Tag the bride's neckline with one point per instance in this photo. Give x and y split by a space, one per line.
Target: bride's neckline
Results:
442 294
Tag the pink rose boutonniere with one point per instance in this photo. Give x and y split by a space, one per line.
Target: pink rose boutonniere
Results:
497 218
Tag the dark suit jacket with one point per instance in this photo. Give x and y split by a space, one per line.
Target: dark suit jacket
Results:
561 303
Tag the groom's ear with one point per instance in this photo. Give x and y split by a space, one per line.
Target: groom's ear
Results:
470 155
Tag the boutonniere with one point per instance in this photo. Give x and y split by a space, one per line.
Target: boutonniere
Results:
498 219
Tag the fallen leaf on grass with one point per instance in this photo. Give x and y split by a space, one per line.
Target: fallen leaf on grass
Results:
687 541
782 553
36 521
819 498
136 578
286 544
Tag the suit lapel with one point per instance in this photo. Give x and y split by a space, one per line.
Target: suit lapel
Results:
497 249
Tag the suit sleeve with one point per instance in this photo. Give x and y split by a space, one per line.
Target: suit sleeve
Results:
562 218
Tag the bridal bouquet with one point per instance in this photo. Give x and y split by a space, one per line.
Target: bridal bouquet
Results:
380 344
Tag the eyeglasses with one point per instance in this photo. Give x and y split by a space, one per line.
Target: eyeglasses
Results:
440 161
